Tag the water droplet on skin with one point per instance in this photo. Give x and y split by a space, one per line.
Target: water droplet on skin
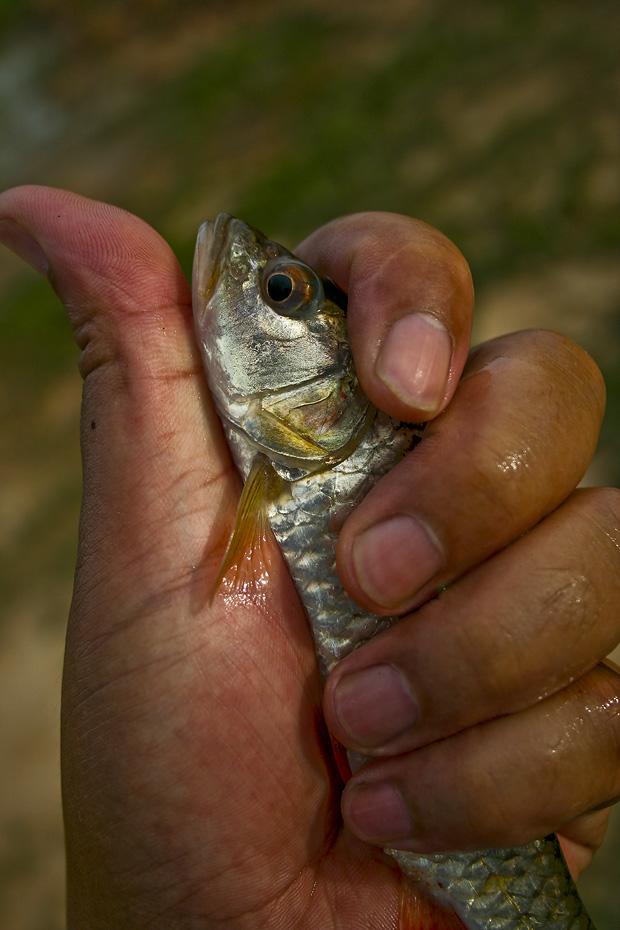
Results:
515 461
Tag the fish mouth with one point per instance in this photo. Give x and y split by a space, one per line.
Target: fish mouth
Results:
211 244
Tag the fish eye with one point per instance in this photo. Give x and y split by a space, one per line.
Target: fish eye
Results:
291 288
279 287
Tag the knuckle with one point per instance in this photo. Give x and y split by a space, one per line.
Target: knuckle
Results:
599 509
582 372
604 707
484 802
499 479
566 358
489 664
606 501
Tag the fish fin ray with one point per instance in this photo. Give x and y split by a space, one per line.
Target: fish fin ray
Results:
252 520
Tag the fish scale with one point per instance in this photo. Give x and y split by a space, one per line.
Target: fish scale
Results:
306 521
523 888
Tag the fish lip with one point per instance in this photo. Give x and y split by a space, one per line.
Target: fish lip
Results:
210 244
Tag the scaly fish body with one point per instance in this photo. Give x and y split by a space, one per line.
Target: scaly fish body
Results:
310 445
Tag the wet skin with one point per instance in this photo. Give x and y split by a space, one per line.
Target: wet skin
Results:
197 780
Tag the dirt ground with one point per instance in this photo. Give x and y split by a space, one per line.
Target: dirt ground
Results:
497 123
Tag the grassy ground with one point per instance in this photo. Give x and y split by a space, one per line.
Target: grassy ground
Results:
496 122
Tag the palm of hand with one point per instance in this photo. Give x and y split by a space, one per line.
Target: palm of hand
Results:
209 784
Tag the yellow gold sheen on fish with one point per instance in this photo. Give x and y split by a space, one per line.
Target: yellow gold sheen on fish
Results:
309 446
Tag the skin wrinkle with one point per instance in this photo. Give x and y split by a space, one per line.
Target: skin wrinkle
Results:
160 865
556 603
614 537
443 294
279 901
575 600
582 389
224 919
96 353
91 698
493 683
155 458
472 805
188 497
604 805
93 331
136 556
267 679
331 897
145 610
563 364
246 760
136 248
313 868
609 501
494 811
112 288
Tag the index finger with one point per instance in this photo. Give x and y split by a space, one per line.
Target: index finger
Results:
411 303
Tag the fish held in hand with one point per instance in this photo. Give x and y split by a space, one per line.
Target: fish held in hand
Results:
310 445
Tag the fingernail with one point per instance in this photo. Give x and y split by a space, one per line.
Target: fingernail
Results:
377 812
375 705
15 237
394 559
414 361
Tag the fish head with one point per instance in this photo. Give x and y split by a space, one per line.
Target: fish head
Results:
273 338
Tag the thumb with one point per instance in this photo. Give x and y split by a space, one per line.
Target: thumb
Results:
163 697
151 444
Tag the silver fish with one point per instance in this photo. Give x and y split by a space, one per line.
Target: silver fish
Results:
307 441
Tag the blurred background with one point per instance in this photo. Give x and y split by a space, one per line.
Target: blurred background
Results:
497 122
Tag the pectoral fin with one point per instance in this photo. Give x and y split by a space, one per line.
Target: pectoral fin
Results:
252 521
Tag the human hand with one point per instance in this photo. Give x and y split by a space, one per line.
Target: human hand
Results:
197 786
490 721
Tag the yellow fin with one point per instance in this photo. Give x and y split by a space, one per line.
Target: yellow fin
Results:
252 521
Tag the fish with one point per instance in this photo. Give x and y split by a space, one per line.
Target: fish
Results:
309 445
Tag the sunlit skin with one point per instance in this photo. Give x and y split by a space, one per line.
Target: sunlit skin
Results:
198 784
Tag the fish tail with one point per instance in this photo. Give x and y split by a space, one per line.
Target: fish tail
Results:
416 911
